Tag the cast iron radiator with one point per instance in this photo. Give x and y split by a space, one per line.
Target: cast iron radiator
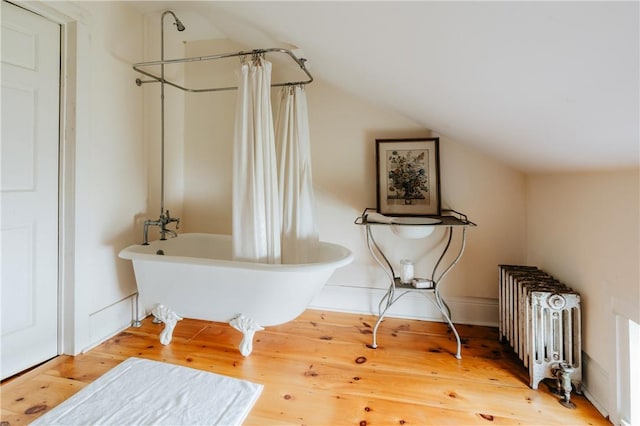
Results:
540 319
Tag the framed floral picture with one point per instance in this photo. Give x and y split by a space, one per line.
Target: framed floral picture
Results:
408 177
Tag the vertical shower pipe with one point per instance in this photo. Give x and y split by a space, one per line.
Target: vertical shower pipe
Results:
179 27
165 218
162 110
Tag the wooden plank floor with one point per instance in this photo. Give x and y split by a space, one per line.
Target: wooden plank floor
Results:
317 370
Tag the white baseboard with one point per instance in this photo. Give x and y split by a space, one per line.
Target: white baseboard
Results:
594 401
595 382
414 305
107 322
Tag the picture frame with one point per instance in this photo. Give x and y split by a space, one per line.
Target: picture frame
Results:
408 177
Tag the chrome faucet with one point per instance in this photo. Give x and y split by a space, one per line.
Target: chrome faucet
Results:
164 219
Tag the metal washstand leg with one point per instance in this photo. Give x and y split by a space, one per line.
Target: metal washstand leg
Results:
374 344
443 310
377 253
440 303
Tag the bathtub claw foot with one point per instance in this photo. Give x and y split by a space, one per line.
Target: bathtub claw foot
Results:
169 318
248 327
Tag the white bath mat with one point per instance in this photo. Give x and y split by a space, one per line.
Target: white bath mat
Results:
143 392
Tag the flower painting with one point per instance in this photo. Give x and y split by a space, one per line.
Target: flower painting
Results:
408 177
408 180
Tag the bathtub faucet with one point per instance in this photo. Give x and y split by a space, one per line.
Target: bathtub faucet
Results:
167 219
164 219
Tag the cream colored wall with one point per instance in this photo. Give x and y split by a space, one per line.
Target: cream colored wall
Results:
208 140
343 133
584 228
110 184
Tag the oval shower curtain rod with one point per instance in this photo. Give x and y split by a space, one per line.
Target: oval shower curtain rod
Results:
157 79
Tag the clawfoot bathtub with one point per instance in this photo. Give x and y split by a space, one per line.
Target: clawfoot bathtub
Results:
194 276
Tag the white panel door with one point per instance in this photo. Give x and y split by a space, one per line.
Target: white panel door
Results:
29 189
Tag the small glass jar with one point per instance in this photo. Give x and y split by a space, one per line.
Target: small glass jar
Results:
406 275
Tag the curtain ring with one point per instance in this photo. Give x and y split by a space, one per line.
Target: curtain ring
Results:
257 56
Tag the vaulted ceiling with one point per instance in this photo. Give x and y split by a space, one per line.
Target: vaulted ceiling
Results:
542 86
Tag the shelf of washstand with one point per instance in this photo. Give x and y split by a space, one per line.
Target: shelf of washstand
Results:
454 218
417 227
417 284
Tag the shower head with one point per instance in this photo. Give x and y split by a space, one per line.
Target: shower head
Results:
178 22
179 25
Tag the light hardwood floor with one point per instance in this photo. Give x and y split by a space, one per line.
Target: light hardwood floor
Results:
318 370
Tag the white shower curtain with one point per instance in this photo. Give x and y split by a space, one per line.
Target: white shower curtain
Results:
256 217
299 230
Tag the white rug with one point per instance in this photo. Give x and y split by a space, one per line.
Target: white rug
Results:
143 392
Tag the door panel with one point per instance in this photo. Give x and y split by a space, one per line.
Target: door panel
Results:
29 189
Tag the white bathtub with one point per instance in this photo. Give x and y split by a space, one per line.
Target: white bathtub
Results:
196 278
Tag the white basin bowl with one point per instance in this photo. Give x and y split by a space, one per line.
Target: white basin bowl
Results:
414 227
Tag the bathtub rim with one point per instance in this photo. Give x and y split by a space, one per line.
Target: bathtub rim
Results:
133 252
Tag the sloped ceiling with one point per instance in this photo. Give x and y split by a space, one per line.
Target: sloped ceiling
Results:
542 86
